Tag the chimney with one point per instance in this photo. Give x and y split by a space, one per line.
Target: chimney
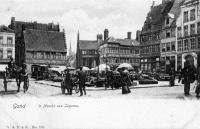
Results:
99 37
23 27
35 24
128 35
138 35
153 4
13 23
106 34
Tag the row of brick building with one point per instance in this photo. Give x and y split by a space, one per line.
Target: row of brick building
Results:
170 36
110 50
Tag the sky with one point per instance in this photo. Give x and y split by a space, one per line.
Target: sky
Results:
89 17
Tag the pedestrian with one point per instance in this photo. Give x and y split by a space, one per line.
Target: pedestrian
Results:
172 77
197 91
125 81
24 77
68 82
186 74
82 80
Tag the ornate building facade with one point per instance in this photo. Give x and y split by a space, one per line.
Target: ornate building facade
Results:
37 43
7 44
116 51
151 35
87 52
168 46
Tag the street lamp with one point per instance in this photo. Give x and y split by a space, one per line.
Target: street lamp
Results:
99 52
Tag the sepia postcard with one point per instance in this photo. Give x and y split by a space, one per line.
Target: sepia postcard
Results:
99 64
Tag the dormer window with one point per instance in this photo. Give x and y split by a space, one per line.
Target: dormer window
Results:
168 34
167 21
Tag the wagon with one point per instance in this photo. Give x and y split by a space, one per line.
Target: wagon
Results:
15 75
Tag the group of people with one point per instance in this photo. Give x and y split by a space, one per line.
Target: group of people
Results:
187 75
119 79
70 81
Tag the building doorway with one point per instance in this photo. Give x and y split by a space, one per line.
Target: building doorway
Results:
190 58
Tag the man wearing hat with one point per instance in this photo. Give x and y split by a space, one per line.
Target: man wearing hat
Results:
11 65
82 80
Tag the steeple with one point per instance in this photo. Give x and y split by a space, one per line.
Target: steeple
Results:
77 51
70 48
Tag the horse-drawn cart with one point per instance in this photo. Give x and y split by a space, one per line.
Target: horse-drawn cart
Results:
15 75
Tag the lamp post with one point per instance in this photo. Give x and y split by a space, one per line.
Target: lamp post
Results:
99 52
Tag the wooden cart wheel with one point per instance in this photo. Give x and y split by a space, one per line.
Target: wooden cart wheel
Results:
5 82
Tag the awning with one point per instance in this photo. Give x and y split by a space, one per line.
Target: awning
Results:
3 68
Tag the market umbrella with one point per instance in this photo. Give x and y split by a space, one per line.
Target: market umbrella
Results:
70 68
85 68
56 69
103 67
125 65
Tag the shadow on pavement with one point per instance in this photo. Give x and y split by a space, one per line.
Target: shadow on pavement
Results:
8 92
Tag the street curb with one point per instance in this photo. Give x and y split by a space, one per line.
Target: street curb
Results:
95 88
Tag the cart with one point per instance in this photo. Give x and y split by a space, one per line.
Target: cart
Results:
15 75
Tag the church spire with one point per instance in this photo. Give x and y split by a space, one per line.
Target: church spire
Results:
70 48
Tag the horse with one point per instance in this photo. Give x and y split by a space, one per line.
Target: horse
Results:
15 72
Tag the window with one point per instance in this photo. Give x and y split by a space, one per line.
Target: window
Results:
137 51
64 55
180 45
9 53
1 54
186 30
167 34
198 42
1 40
34 54
58 55
192 15
185 44
173 46
42 55
168 46
173 32
193 44
163 47
9 40
179 32
198 27
83 52
48 55
167 21
185 15
192 29
53 55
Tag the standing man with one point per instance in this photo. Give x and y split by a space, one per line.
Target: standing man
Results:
172 77
186 74
82 80
68 82
11 65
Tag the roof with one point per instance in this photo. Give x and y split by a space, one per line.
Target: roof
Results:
176 10
156 16
33 25
4 28
88 44
39 40
189 1
123 42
